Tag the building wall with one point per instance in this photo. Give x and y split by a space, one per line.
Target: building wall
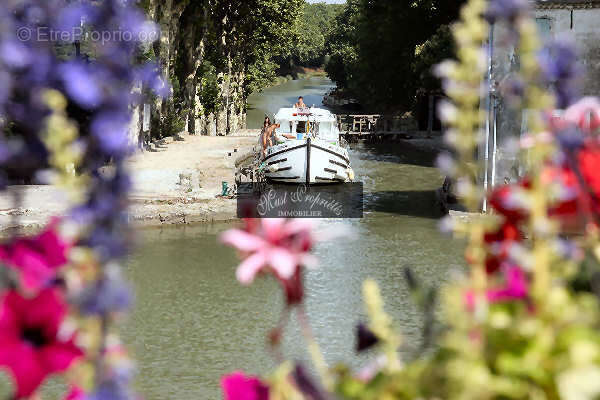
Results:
583 27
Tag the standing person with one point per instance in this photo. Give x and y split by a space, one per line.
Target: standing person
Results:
300 103
266 123
267 138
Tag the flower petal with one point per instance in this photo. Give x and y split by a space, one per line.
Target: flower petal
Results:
21 361
249 267
242 240
283 262
272 228
58 356
47 310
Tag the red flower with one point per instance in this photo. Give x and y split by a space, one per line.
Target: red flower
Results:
37 258
499 243
238 386
30 345
505 201
580 189
589 164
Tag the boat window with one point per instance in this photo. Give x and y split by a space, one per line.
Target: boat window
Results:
301 127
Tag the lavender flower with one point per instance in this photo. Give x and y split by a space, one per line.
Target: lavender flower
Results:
558 61
505 9
98 95
81 83
107 295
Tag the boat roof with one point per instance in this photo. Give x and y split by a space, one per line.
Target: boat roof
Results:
303 114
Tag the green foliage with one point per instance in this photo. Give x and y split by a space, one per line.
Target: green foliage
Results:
439 46
314 25
342 46
375 46
208 90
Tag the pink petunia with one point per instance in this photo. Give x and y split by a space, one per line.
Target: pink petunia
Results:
36 259
237 386
31 347
516 287
278 245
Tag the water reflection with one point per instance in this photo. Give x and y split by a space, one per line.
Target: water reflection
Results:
272 99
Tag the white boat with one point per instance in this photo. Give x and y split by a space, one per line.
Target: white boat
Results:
315 154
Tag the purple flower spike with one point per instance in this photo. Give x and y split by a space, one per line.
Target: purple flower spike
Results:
570 139
15 54
109 295
110 129
111 390
150 76
505 9
558 61
81 84
73 15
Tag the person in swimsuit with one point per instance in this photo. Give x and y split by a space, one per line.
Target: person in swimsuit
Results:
267 140
300 103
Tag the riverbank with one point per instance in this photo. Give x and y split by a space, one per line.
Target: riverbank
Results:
298 73
175 183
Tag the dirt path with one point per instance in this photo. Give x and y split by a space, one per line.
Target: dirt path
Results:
174 183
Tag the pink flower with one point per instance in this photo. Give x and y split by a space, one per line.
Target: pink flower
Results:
30 345
278 245
585 114
515 288
36 258
237 386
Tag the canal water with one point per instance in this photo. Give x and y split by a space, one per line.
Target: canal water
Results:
193 322
273 98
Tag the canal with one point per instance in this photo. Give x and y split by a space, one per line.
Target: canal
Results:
273 98
193 322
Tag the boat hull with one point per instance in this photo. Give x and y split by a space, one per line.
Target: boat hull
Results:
308 161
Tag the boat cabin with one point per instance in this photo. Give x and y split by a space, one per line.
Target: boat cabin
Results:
307 122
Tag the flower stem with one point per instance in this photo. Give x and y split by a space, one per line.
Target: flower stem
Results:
314 349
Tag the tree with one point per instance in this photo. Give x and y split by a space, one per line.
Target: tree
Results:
374 48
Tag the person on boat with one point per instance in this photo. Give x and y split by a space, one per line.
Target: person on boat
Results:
300 103
271 137
266 123
267 139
